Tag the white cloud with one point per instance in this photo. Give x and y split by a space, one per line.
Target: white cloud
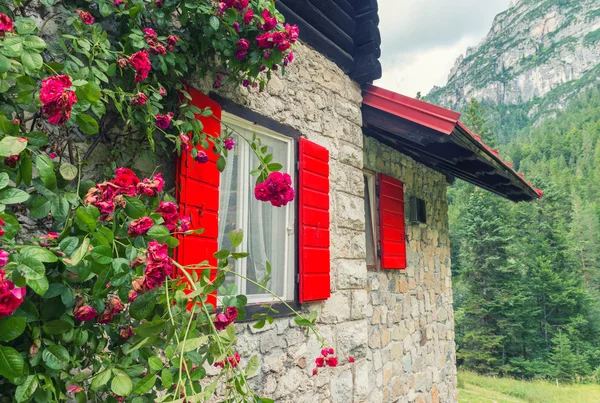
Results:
421 39
409 73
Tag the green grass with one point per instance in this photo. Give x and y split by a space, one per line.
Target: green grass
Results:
481 389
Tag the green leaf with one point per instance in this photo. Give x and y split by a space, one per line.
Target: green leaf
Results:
11 327
25 25
236 236
145 384
155 363
252 367
121 384
38 253
31 269
11 363
54 290
193 344
39 286
37 139
159 232
11 225
45 168
28 311
4 180
102 254
142 306
80 252
150 328
4 64
214 22
275 167
87 124
167 378
101 379
56 327
134 208
40 207
26 169
34 42
84 220
13 196
68 171
56 357
10 146
91 92
32 61
25 390
221 162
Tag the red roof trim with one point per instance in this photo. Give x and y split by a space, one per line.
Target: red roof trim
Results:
426 114
437 118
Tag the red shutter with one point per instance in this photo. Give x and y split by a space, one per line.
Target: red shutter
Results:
391 223
198 193
314 237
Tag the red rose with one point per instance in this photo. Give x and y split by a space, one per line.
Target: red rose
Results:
126 332
6 24
264 41
292 32
3 256
243 44
139 99
127 180
86 17
57 101
140 61
332 362
140 227
10 296
320 362
248 16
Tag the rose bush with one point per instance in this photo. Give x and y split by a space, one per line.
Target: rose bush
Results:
96 309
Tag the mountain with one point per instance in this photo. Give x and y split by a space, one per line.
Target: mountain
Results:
538 55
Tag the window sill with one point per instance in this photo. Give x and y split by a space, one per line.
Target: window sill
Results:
283 310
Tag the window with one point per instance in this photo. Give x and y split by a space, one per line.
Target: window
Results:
371 219
418 211
269 234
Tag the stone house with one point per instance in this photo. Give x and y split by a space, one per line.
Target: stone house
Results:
366 242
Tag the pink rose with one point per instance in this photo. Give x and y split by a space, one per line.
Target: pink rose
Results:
74 389
10 296
243 44
140 227
270 21
169 213
151 187
6 24
172 40
84 313
158 266
164 121
276 189
292 33
3 258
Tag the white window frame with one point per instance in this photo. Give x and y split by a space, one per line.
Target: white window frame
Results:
371 181
246 188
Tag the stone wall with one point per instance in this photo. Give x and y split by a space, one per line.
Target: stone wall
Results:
411 351
318 99
398 326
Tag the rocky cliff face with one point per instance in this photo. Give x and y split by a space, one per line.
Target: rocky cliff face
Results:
539 52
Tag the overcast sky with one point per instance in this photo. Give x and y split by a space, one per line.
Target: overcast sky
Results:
421 39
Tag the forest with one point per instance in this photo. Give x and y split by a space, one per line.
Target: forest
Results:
526 277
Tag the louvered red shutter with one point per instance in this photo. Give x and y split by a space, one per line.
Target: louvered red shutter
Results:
198 193
314 236
391 223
